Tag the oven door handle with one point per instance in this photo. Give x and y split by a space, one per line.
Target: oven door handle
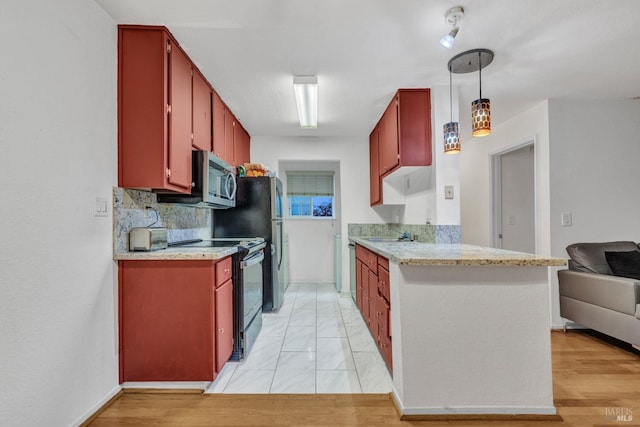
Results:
252 260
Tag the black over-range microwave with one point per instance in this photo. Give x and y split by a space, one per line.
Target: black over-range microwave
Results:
214 183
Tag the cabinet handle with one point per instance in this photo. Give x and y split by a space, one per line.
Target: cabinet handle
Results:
226 270
221 330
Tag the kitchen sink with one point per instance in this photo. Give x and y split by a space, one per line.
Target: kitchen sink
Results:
386 239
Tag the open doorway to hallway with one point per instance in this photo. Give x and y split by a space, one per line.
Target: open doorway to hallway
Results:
514 201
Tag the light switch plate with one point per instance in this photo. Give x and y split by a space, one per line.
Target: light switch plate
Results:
448 191
100 207
567 221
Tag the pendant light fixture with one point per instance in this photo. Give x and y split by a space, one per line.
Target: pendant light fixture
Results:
451 130
480 110
466 62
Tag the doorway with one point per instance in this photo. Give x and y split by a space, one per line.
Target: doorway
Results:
514 198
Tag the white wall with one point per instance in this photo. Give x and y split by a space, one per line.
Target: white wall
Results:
353 155
475 175
595 153
447 166
588 151
58 339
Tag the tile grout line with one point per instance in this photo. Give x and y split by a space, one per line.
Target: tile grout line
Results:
351 349
283 340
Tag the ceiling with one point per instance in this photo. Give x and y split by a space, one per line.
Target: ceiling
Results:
363 50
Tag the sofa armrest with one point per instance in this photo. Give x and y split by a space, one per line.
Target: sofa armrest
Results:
615 293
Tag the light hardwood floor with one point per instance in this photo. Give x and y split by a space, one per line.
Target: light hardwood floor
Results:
594 382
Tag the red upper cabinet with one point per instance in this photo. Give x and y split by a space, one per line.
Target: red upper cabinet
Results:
403 136
201 113
374 174
163 110
405 131
180 117
218 125
389 154
229 138
242 142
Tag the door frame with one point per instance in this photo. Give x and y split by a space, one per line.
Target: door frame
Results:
496 193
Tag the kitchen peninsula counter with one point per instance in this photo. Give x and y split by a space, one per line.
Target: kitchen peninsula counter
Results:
417 253
177 253
470 330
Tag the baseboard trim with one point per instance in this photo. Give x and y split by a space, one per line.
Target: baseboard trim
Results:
162 391
481 417
184 387
483 413
99 408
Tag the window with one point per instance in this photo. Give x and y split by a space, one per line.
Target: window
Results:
310 194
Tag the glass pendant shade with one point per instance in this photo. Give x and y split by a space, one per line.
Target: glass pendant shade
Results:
451 138
481 117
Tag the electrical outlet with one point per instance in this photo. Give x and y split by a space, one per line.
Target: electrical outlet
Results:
566 219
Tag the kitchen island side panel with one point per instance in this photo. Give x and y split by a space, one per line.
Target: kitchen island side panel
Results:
471 340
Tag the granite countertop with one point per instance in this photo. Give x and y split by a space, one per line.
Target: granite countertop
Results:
195 253
417 253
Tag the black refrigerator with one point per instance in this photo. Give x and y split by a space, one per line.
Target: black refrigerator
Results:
258 213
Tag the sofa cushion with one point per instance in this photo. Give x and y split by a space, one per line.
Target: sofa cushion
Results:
589 257
624 264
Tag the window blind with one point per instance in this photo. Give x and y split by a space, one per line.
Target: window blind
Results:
309 183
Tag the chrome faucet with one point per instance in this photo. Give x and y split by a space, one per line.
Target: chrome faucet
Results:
404 235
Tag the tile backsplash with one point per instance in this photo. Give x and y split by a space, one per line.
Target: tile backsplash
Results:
427 233
182 222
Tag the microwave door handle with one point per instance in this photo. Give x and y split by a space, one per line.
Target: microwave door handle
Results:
231 186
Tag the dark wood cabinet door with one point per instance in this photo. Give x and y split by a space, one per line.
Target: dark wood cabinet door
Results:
360 272
229 137
388 151
373 300
374 172
242 142
383 283
180 91
201 113
224 323
143 64
166 320
218 126
414 127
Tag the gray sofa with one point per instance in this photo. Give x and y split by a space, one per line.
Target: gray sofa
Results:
592 296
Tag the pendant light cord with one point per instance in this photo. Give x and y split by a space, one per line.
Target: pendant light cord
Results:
450 96
480 70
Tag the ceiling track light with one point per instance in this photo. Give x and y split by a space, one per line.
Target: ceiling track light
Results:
452 16
467 62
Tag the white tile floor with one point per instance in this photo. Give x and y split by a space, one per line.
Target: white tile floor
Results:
317 343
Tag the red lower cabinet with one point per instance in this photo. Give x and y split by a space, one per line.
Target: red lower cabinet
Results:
168 317
373 298
224 324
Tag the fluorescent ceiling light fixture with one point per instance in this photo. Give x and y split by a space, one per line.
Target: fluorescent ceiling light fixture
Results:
452 16
306 91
